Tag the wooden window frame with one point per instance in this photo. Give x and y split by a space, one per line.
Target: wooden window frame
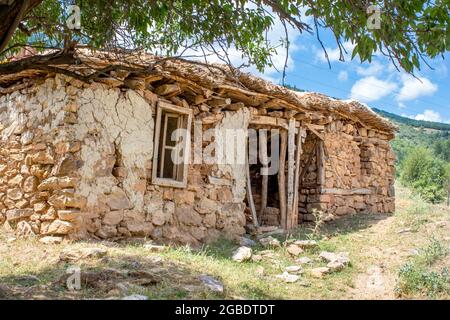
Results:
183 114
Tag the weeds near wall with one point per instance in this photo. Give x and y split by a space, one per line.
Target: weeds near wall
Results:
319 220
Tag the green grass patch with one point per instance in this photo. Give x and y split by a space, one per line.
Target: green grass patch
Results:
417 278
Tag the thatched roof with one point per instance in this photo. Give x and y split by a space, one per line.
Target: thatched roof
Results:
219 79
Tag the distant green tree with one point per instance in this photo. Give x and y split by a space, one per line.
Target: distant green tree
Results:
442 149
425 174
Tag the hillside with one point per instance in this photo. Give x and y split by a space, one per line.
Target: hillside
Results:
434 136
413 123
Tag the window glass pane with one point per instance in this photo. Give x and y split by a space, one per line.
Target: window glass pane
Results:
169 167
172 125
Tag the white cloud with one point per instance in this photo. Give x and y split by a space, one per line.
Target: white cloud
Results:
401 105
371 89
375 68
343 76
334 54
412 88
430 115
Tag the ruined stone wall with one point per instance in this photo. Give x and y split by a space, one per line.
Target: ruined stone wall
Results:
76 161
359 173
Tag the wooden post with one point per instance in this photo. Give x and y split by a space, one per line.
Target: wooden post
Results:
282 178
320 163
249 192
264 170
298 155
291 168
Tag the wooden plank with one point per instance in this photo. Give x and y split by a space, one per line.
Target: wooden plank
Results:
282 177
340 191
153 78
168 90
264 170
218 102
271 121
298 155
263 120
320 163
250 201
234 106
199 99
313 130
291 168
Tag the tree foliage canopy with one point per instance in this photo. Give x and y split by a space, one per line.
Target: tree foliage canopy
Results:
425 174
410 30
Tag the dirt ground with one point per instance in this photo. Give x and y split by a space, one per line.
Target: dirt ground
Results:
377 245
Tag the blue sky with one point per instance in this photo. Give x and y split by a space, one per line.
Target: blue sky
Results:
377 84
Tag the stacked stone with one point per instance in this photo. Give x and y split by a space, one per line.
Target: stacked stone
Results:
359 174
76 159
37 164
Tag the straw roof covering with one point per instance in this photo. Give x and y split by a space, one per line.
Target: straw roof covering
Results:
220 79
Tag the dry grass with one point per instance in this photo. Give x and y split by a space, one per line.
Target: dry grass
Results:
379 245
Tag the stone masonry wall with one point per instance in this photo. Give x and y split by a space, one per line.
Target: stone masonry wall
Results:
76 159
76 162
359 173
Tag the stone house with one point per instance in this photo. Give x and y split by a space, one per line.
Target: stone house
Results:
95 158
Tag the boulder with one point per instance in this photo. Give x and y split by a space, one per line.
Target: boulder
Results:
294 250
106 231
341 257
319 272
158 218
246 242
118 200
206 205
303 260
16 181
188 216
306 244
294 269
270 242
242 254
62 200
24 230
68 215
113 217
14 194
209 220
43 157
55 183
287 277
184 197
211 283
60 227
335 266
17 214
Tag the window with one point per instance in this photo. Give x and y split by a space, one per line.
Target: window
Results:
172 145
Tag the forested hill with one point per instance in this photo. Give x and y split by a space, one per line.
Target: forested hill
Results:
434 136
412 122
423 156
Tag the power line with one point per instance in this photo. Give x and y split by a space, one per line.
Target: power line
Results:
330 86
382 87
